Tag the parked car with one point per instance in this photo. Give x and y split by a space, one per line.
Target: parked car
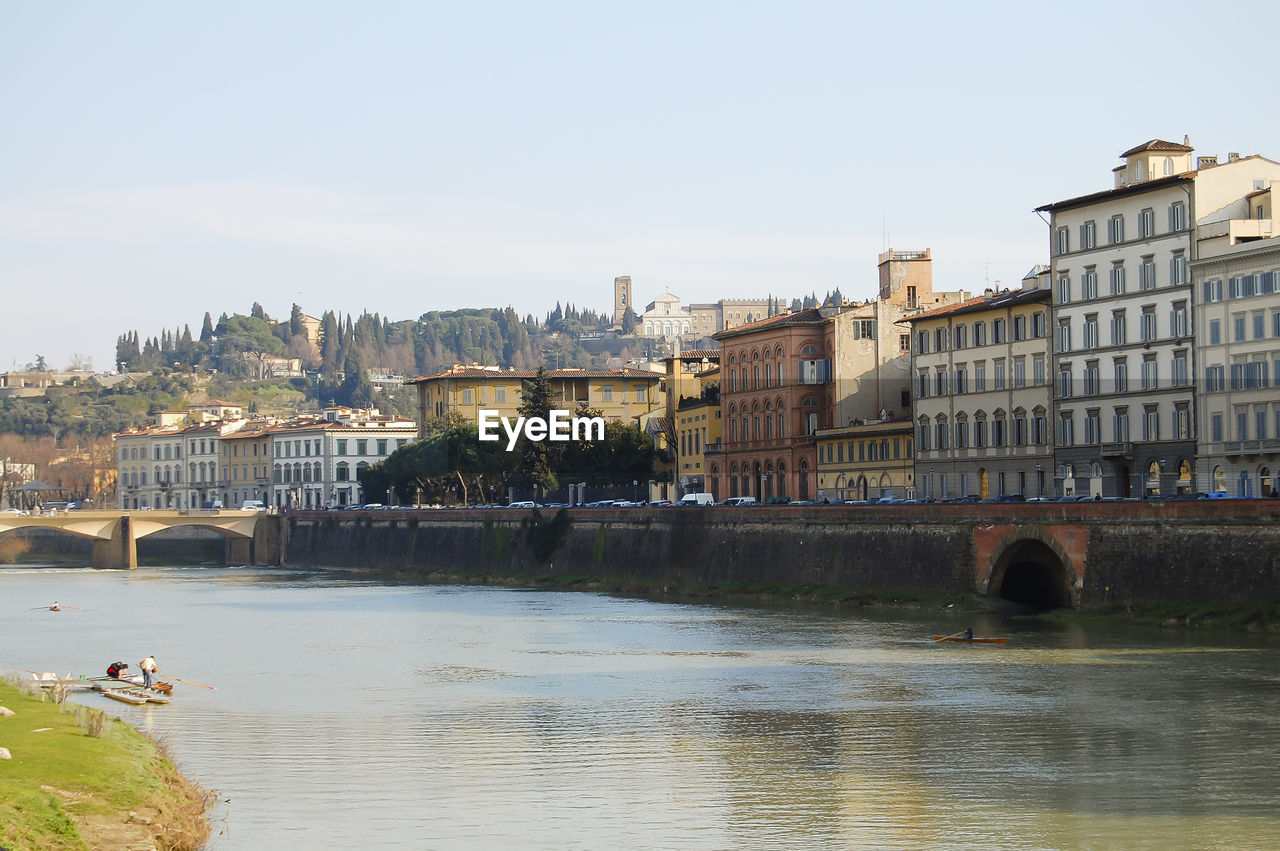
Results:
1009 497
697 499
740 500
253 505
527 503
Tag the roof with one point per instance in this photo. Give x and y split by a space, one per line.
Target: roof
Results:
1117 192
696 354
1159 145
977 304
801 317
553 374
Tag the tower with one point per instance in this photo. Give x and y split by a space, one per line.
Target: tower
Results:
621 298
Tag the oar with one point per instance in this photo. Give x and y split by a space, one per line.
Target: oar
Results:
181 680
952 635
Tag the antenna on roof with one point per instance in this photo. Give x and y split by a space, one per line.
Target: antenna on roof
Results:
884 234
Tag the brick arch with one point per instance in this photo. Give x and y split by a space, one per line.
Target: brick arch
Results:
997 546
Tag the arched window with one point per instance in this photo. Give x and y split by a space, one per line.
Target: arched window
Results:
1168 166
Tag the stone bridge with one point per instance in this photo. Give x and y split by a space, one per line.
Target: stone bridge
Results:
115 534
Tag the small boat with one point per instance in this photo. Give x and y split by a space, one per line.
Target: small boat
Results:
964 640
136 695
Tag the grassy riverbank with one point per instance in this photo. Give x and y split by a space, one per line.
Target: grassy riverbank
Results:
79 778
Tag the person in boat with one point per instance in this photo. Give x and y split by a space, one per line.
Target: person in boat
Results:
968 634
118 670
55 607
148 666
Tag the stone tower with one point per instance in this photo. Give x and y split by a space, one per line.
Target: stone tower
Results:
621 298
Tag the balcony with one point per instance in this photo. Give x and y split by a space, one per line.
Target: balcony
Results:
1117 450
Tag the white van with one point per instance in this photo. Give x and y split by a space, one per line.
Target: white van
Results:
697 499
740 500
252 505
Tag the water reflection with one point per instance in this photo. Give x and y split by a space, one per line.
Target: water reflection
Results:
354 713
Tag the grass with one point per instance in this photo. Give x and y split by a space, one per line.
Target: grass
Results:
65 785
1238 617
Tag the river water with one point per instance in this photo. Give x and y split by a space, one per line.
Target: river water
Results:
354 713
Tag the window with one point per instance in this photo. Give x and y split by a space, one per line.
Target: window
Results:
362 447
467 396
1177 269
1039 429
1019 428
1215 427
1066 428
1212 291
1181 378
1019 328
1064 382
1064 335
1215 378
922 384
922 435
1064 289
1121 375
1091 331
962 434
940 339
922 342
979 333
342 447
980 377
1115 229
1238 329
1147 223
997 331
606 390
1020 372
1089 283
382 447
1148 324
999 374
1037 370
962 336
1062 245
1037 325
1151 422
980 432
1215 332
1088 235
1259 326
1092 426
500 394
1235 287
1177 213
962 379
1117 278
1179 319
1118 334
1121 425
1242 424
1149 378
1147 274
1092 384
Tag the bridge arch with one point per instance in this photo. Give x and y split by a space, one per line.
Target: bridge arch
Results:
1031 567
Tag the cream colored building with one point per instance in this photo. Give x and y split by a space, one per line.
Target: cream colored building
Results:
1237 284
621 394
982 395
866 461
1123 362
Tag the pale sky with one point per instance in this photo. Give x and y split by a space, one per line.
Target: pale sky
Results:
161 160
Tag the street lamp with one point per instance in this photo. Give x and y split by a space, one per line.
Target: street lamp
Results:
764 486
930 493
1040 479
634 484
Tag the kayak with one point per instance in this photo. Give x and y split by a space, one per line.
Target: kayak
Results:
964 640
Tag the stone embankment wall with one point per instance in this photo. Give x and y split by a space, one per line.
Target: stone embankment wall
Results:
1228 550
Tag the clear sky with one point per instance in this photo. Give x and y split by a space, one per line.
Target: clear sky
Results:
161 160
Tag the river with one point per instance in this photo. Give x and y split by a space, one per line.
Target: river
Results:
357 713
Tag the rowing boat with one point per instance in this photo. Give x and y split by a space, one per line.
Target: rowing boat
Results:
135 695
964 640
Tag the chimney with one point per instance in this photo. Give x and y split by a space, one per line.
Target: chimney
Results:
1203 162
1232 157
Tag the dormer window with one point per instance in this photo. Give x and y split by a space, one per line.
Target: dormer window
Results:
1168 166
1140 170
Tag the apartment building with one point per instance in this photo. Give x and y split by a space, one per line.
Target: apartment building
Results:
621 394
316 462
982 395
1237 320
1123 360
866 461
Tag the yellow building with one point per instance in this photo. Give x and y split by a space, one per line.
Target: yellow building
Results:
621 395
697 427
866 461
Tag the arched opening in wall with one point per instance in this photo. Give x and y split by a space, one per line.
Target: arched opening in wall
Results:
35 545
182 545
1032 574
1123 485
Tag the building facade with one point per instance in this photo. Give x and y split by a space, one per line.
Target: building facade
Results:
621 395
866 461
1123 362
982 396
1238 349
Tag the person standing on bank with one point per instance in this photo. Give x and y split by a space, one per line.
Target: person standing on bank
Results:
148 666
